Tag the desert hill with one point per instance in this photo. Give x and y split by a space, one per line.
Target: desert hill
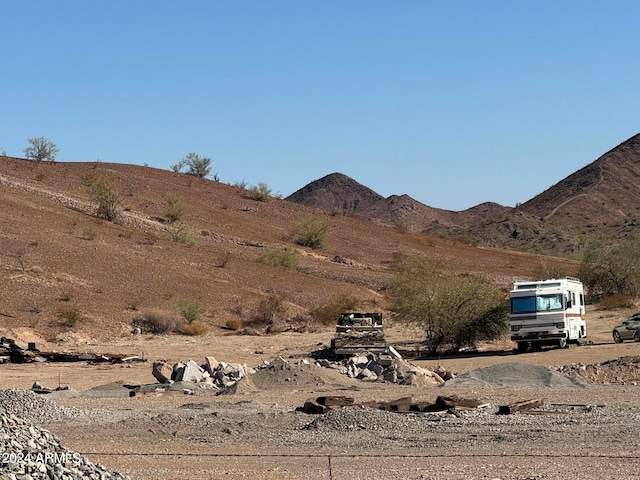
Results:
603 197
55 254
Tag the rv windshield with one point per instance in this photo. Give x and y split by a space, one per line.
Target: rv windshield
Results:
543 303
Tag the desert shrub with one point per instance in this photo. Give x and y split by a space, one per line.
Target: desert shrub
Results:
261 192
189 309
328 314
174 207
615 301
611 270
194 328
156 322
269 310
182 234
234 324
70 317
311 232
279 256
103 191
89 233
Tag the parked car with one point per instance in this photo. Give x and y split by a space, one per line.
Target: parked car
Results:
628 330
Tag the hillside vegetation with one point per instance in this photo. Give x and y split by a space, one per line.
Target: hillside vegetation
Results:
59 260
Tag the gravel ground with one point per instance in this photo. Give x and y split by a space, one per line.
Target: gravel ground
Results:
592 430
582 431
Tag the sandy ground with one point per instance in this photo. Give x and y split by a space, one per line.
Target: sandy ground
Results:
257 432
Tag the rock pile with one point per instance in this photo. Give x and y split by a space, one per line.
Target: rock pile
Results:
372 367
211 374
622 370
32 452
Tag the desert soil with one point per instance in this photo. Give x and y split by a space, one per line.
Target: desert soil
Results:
590 431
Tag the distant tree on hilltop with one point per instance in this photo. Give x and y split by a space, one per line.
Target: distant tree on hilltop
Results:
41 150
196 165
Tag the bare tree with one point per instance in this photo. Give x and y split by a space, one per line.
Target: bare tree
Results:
41 150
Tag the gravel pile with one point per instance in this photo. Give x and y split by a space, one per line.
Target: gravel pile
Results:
514 375
30 452
33 407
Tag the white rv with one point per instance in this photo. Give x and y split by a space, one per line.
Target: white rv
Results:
547 312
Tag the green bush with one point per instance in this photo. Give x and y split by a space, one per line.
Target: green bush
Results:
197 166
174 208
612 269
311 232
190 310
182 234
278 256
454 310
103 191
328 314
261 192
70 317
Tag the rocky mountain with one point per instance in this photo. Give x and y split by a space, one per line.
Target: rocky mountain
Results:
338 193
601 198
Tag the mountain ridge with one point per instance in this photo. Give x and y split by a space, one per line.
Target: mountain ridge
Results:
559 220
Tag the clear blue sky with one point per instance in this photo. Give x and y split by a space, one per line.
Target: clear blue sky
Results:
452 102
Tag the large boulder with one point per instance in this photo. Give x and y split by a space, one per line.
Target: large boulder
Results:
162 371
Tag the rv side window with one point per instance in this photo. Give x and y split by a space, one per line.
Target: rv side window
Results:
581 300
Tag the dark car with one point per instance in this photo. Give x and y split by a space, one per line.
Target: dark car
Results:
628 330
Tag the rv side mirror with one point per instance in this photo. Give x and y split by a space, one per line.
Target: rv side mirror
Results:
568 302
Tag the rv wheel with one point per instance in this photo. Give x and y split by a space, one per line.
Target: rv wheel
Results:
562 343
